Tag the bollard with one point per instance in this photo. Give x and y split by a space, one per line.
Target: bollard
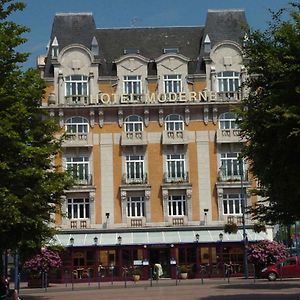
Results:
176 275
46 281
202 281
151 277
99 279
125 276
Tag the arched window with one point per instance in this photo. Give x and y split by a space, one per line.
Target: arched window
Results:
133 123
77 125
228 121
174 123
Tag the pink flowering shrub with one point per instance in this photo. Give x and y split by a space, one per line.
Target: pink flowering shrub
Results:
44 261
265 253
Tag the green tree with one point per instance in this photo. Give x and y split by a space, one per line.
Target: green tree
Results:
30 186
271 116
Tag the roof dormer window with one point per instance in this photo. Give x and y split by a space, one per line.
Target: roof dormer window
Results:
171 50
54 48
131 51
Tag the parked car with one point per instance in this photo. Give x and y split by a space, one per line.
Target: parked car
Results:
288 267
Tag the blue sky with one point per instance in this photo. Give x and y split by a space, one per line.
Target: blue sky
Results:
38 15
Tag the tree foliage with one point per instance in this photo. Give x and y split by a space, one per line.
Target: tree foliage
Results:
271 116
30 185
266 252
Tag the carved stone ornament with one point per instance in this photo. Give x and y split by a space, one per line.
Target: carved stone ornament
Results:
123 195
61 118
165 194
147 194
205 114
120 117
101 118
161 117
146 117
215 115
92 118
188 194
187 115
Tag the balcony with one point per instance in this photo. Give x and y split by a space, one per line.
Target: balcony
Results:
229 96
134 138
224 177
179 178
88 180
178 221
229 136
142 179
238 220
77 100
80 223
136 222
175 137
78 140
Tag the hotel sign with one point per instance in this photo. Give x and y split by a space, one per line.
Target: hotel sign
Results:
153 98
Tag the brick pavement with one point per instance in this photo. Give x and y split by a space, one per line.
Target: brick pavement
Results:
211 289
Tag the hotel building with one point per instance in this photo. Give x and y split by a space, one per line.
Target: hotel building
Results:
152 142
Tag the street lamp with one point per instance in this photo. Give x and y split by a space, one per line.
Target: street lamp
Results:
197 236
243 198
119 240
95 241
72 260
221 250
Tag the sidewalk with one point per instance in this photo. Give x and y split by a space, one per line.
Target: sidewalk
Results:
211 289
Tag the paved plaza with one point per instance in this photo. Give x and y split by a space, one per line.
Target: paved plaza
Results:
210 289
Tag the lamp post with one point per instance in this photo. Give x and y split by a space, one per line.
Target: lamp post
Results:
221 251
72 261
245 239
96 260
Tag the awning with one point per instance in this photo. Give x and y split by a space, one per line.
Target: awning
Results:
153 237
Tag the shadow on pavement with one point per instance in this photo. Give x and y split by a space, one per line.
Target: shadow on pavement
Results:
255 296
262 286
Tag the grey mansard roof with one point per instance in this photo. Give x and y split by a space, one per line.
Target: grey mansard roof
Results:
80 28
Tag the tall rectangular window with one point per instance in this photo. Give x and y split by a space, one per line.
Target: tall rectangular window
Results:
230 165
135 167
177 205
78 208
132 84
79 166
228 81
172 84
232 204
176 166
76 85
135 207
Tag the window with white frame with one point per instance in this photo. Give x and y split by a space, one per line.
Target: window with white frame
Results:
172 84
176 205
232 204
133 123
79 167
135 207
174 123
228 81
77 126
78 208
76 85
175 167
230 165
132 84
135 168
228 120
